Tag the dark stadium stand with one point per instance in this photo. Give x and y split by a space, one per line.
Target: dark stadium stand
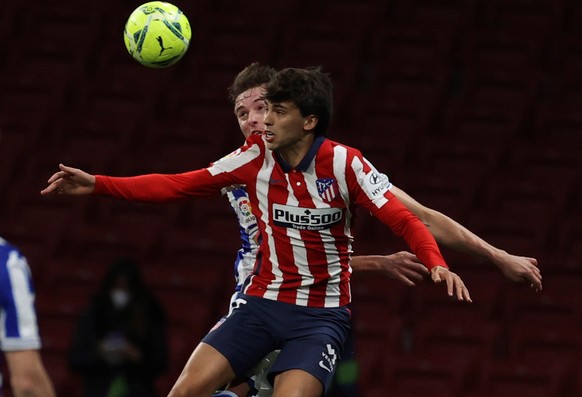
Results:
471 106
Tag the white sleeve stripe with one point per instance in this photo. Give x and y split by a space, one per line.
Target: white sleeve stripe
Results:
229 164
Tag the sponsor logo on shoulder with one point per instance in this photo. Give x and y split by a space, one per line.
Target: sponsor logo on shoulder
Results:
306 218
376 183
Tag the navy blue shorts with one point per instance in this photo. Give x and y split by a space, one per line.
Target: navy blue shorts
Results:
310 339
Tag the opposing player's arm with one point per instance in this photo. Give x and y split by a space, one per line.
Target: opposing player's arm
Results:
402 266
453 235
28 376
370 189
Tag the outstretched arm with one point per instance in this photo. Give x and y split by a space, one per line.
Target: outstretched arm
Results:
453 235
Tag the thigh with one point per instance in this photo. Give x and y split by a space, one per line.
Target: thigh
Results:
314 346
297 383
244 337
206 370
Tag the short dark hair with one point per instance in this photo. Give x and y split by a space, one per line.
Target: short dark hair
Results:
309 89
254 75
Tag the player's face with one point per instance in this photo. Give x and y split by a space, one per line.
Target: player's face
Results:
285 127
250 110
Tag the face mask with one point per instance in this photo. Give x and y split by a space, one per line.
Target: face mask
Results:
120 298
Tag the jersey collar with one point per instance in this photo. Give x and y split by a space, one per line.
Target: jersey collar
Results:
304 164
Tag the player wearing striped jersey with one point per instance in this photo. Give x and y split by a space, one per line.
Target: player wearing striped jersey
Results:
249 108
303 189
19 337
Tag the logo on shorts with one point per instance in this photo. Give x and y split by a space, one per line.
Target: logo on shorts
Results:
237 303
218 324
329 358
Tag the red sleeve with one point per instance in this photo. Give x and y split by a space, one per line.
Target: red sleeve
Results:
406 225
236 168
370 189
159 188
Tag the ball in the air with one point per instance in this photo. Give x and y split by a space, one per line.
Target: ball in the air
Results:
157 34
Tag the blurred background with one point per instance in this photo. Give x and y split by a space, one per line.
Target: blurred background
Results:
474 107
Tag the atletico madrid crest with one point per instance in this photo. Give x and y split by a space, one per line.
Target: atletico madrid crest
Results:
327 189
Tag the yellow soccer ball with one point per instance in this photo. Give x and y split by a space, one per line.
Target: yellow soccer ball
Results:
157 34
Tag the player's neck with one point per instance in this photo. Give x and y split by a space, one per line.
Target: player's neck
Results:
293 154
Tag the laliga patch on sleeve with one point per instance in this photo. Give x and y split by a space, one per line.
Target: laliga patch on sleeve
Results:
376 184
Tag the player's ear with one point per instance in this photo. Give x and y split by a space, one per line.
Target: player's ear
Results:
310 122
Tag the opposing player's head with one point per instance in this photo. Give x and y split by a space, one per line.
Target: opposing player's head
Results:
310 90
246 94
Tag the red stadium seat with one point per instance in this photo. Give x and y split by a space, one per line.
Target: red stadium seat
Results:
56 334
398 130
545 343
431 302
334 48
538 18
372 322
522 378
373 293
370 355
200 279
510 234
93 241
449 16
64 380
410 51
518 199
493 49
576 382
559 303
181 343
188 309
64 300
422 375
459 338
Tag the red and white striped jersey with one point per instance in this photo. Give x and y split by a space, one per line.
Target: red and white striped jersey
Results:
306 215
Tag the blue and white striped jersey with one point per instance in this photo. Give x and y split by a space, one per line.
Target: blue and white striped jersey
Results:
18 325
246 255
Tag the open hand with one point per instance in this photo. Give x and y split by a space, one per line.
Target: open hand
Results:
71 181
455 286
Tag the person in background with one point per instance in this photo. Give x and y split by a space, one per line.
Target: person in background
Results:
19 337
120 346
